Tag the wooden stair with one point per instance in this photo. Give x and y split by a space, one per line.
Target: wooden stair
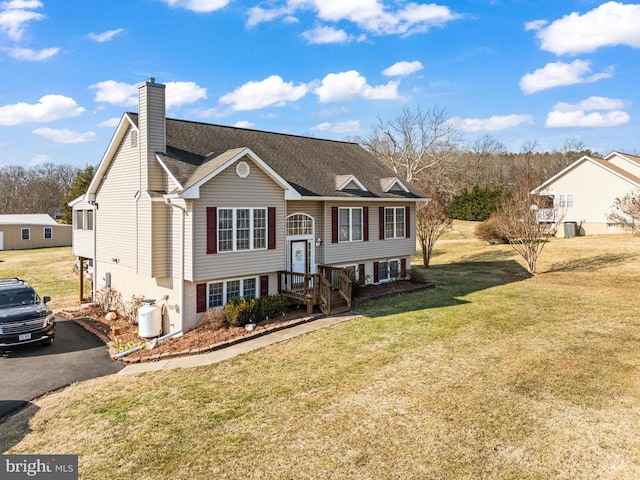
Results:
338 303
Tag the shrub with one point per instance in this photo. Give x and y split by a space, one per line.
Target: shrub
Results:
109 300
214 319
476 204
131 308
488 231
240 311
273 305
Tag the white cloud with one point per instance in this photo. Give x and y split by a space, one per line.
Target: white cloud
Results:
587 113
272 91
39 159
64 135
48 109
16 15
116 93
351 126
33 55
105 36
612 23
401 69
324 35
112 122
180 93
560 74
370 15
491 124
535 25
345 86
202 6
124 94
243 124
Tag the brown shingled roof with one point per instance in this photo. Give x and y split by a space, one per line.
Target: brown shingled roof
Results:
309 165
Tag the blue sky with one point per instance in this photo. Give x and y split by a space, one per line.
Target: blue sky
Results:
518 70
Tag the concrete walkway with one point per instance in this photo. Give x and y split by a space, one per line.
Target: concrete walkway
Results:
237 349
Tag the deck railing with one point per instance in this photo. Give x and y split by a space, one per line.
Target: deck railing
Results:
316 288
546 215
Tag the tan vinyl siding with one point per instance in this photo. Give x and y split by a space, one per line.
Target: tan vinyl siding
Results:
227 190
594 190
189 239
151 124
375 248
162 236
12 236
116 216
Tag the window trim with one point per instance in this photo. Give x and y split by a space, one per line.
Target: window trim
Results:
350 224
224 283
234 229
25 229
388 263
395 223
44 233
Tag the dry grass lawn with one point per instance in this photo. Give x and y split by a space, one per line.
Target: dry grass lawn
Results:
492 374
48 270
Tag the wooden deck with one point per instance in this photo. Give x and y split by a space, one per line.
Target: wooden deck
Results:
329 289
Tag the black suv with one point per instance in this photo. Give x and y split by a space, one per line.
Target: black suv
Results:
24 316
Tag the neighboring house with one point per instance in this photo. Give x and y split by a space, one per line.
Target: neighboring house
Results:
584 192
19 232
196 214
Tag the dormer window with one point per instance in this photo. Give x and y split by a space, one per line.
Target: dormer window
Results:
349 182
391 184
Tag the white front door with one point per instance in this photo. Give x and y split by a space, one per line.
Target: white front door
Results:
299 256
1 240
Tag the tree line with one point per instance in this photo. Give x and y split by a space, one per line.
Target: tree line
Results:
46 188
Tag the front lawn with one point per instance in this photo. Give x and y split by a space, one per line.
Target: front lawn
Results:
492 374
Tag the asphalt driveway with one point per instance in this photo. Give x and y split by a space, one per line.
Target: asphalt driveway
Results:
29 372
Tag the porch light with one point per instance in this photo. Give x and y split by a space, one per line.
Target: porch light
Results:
318 242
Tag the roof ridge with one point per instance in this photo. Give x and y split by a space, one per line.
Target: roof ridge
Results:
307 137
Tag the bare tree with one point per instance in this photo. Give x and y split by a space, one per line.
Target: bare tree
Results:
432 220
626 212
414 142
517 221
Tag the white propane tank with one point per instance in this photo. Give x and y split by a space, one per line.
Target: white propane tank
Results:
149 319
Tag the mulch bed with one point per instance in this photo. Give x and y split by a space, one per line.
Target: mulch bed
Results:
120 334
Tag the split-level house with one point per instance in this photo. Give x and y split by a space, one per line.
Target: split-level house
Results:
583 193
196 214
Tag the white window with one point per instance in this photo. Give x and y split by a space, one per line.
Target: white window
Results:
89 222
394 222
48 233
25 234
79 225
565 201
242 229
350 224
388 270
299 224
219 293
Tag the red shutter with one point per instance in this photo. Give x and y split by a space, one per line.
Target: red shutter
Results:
212 230
365 223
201 295
361 274
376 272
381 215
271 221
407 221
334 224
403 268
264 285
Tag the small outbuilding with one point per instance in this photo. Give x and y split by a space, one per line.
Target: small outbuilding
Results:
20 232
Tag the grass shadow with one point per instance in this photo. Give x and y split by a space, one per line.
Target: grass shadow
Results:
588 264
14 422
452 283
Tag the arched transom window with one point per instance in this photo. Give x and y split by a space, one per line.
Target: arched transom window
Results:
299 224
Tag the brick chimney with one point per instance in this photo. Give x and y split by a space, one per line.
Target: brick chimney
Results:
152 132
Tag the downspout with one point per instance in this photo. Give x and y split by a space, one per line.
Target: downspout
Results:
183 212
94 204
